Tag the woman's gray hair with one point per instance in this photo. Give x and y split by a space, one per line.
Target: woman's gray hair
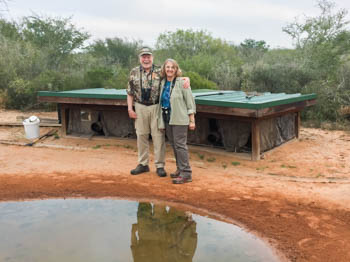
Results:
176 65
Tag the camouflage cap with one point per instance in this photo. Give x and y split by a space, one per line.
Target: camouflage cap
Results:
145 51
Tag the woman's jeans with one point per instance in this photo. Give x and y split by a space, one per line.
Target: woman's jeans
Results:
177 136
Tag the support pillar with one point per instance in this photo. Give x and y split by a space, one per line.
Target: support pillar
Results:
255 140
297 125
64 119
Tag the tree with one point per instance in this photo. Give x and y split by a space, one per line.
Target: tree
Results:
253 44
197 51
322 40
317 30
323 44
252 50
56 36
116 51
186 43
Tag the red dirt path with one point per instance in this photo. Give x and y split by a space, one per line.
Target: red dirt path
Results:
297 197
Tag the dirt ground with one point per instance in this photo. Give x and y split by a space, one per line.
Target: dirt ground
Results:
297 197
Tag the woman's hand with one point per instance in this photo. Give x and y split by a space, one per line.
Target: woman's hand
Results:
192 125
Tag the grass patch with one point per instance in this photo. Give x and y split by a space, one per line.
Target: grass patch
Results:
128 146
96 147
201 156
262 168
211 159
235 163
56 136
224 165
287 166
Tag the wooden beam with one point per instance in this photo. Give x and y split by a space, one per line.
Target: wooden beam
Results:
297 124
86 101
283 113
42 119
97 107
64 119
42 124
243 112
225 117
255 140
283 109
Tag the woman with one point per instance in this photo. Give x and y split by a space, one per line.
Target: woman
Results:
176 116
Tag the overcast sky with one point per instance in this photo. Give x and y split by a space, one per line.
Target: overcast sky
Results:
231 20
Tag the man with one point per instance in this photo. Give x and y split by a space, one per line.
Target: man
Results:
143 89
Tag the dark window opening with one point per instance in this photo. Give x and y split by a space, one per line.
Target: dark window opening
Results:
97 128
214 137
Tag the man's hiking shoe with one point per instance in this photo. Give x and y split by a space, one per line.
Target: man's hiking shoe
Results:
175 175
182 180
139 170
161 172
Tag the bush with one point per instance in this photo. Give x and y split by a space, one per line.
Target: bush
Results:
98 77
327 106
18 95
198 82
119 80
275 78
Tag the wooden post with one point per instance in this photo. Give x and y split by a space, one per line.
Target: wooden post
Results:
255 140
297 125
64 120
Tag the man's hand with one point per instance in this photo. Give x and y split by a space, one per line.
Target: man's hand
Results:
132 114
186 82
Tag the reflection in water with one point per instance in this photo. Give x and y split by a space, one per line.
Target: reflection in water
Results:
163 234
90 230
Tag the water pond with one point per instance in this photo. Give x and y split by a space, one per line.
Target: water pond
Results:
84 230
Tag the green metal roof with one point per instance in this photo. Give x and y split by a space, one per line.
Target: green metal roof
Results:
234 99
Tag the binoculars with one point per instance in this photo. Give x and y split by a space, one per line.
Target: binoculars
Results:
146 94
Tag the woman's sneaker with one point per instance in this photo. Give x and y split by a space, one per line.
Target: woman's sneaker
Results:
182 180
